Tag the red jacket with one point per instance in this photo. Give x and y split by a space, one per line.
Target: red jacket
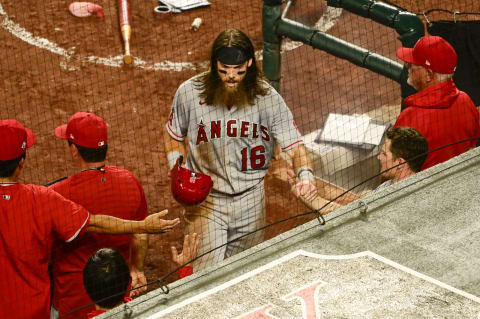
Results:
444 115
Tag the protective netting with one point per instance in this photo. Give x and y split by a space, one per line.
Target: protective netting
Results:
56 64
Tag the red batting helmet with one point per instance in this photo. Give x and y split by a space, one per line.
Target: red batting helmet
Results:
188 187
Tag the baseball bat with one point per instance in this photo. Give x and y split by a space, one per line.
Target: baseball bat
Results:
126 29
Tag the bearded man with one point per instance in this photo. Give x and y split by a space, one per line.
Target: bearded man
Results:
232 118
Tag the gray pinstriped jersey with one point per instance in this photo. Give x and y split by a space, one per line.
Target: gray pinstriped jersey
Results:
234 146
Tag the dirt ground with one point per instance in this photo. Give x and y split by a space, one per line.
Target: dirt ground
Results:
54 64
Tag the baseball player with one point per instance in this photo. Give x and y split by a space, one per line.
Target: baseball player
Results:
31 218
99 188
232 119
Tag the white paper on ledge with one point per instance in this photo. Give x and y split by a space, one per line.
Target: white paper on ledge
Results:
375 133
186 4
348 129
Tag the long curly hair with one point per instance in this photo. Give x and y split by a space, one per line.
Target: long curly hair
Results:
210 81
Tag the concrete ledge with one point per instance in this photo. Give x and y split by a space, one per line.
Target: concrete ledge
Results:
428 222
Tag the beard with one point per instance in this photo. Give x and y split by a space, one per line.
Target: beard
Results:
227 96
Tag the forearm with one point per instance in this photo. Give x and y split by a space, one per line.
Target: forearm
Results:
300 159
105 224
173 149
139 247
320 202
334 192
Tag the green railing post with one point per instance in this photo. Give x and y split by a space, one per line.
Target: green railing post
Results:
271 14
408 26
340 48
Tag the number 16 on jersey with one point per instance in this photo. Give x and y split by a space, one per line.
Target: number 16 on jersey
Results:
253 158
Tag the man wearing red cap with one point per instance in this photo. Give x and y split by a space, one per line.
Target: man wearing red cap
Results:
98 188
31 218
439 111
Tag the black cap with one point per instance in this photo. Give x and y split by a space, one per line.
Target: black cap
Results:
232 56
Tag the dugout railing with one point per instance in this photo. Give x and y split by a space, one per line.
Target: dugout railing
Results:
276 25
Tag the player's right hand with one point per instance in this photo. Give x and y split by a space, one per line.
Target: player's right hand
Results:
155 223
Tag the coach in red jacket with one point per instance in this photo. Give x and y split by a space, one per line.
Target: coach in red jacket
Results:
441 112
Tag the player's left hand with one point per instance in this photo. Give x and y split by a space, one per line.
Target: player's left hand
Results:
191 243
138 279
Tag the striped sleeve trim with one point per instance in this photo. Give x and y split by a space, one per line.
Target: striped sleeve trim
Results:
291 145
173 135
79 230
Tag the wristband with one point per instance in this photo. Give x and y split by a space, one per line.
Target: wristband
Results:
305 173
185 271
172 158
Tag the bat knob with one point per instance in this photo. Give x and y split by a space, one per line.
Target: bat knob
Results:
128 59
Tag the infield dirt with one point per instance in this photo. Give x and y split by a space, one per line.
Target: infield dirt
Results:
42 86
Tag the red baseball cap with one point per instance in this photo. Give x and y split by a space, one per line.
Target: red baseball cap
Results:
84 129
431 52
14 139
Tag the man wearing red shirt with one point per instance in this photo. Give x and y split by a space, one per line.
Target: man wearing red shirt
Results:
439 111
31 217
98 188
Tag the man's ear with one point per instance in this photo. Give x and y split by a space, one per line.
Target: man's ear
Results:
430 75
74 151
250 63
19 168
21 163
399 160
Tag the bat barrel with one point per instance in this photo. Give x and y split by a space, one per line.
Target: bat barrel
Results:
126 34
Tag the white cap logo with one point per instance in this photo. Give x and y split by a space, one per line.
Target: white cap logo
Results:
24 145
101 143
71 136
427 63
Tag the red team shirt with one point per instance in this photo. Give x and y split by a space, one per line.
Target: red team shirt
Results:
182 272
31 217
444 115
113 191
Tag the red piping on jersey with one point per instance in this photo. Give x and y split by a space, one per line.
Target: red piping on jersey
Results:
177 136
80 230
299 141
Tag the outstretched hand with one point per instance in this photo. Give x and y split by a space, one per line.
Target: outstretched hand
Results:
156 224
309 195
138 280
302 189
191 243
